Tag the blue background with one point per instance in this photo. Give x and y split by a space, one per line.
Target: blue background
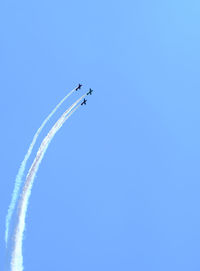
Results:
119 186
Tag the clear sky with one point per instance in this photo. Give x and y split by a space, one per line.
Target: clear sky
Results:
119 186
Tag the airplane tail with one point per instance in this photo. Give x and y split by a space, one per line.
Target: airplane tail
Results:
17 257
18 180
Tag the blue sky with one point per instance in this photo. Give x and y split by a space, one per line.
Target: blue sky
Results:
118 188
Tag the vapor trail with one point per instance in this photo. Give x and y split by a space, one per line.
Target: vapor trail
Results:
18 180
17 257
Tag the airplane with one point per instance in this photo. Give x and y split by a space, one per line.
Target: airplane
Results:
79 87
90 92
84 102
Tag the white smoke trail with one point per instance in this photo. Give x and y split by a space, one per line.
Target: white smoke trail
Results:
18 180
17 257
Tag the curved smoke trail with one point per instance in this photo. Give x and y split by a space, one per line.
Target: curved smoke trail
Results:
17 257
18 180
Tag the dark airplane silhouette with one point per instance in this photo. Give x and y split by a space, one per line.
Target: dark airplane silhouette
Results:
90 92
84 102
79 87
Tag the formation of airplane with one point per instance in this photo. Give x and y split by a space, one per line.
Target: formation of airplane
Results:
90 92
84 102
79 87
